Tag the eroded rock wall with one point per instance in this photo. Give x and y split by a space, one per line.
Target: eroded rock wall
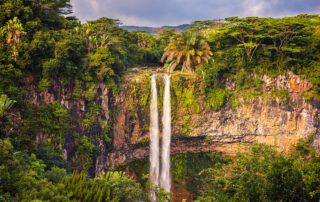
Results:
197 128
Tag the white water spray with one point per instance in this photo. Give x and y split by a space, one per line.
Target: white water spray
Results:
165 179
154 137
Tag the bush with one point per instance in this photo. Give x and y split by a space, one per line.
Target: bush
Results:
281 94
263 174
112 186
55 174
217 98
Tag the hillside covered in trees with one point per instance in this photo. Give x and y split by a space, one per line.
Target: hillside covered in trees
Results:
49 151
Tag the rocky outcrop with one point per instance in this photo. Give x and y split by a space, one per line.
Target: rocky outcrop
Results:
260 119
77 107
196 128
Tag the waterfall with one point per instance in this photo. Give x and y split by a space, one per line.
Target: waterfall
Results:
165 179
154 137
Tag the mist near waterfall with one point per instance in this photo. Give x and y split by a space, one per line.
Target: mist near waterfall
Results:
165 179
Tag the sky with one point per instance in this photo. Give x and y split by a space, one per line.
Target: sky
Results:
175 12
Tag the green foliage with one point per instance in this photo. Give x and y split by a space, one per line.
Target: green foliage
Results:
112 186
5 104
85 151
308 96
187 167
106 134
254 46
52 158
281 94
22 177
55 174
148 48
247 87
163 196
138 102
90 91
52 120
185 171
188 50
185 95
101 61
43 50
312 74
91 116
264 175
213 75
217 98
12 33
77 89
44 84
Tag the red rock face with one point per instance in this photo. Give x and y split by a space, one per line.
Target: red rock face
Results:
121 125
299 87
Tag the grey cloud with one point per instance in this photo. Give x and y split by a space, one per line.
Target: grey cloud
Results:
173 12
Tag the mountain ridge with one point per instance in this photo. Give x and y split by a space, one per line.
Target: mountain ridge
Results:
155 30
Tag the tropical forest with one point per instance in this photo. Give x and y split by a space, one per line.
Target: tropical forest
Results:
213 111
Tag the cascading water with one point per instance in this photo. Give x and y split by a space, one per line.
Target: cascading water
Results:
165 179
154 137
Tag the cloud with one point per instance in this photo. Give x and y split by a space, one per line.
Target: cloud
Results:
173 12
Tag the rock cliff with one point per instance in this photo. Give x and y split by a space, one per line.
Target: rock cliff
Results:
265 118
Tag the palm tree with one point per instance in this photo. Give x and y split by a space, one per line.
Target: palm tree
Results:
5 104
188 50
143 39
14 31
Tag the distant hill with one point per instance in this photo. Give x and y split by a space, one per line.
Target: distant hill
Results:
156 30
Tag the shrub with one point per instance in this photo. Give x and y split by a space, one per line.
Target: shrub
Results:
217 98
281 94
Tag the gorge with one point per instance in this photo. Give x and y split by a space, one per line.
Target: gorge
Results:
229 130
259 119
226 110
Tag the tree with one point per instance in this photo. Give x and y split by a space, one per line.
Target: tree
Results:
105 32
5 104
282 32
249 32
144 39
187 49
262 174
13 32
99 33
165 36
101 62
111 186
42 13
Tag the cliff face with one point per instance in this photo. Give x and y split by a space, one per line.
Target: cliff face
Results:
267 118
77 107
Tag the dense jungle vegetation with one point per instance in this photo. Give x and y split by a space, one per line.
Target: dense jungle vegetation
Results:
42 46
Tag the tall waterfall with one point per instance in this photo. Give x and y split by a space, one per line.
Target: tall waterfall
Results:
165 179
154 137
